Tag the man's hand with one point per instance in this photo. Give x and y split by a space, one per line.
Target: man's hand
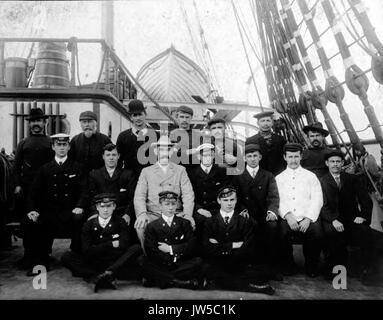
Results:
293 223
271 216
213 241
230 159
116 243
244 213
304 225
141 221
164 247
18 190
338 225
359 220
126 218
237 245
33 215
77 211
204 212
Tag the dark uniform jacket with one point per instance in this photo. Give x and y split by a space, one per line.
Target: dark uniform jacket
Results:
179 235
272 152
56 191
258 194
31 154
206 186
88 151
97 241
343 204
122 184
313 159
128 145
239 229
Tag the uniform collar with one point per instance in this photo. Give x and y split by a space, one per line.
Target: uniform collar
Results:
204 168
62 160
251 170
168 220
103 222
226 214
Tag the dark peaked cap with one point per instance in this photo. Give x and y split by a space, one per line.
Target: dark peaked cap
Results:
293 147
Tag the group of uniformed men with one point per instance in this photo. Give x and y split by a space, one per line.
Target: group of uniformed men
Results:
193 224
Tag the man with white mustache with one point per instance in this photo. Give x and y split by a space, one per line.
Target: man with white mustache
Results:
87 147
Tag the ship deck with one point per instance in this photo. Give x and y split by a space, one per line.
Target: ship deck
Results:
14 284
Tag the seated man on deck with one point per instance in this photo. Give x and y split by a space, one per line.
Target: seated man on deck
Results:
230 242
346 215
169 246
107 250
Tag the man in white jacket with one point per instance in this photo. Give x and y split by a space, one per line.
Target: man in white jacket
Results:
301 200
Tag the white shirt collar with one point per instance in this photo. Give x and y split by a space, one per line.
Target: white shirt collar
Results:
62 160
251 170
294 171
226 214
110 171
164 168
136 131
168 220
204 168
335 175
103 222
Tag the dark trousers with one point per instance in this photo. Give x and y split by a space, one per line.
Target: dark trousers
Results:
39 236
231 275
311 239
162 275
268 247
359 235
124 266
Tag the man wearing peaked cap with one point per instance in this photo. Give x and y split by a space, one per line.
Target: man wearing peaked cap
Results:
230 242
55 204
186 139
130 141
300 203
313 157
161 176
258 193
108 252
31 153
86 147
271 144
206 178
169 246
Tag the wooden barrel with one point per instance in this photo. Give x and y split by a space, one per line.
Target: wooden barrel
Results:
52 66
16 72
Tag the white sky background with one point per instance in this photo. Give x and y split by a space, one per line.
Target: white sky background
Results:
144 28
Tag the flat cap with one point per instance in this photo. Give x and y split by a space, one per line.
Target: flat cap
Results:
60 137
263 114
185 109
167 195
216 120
105 198
334 153
88 115
293 147
252 147
225 191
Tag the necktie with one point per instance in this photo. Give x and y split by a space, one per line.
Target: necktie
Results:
337 180
60 163
206 170
227 220
253 174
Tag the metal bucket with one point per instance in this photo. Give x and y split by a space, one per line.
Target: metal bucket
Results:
16 72
52 66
